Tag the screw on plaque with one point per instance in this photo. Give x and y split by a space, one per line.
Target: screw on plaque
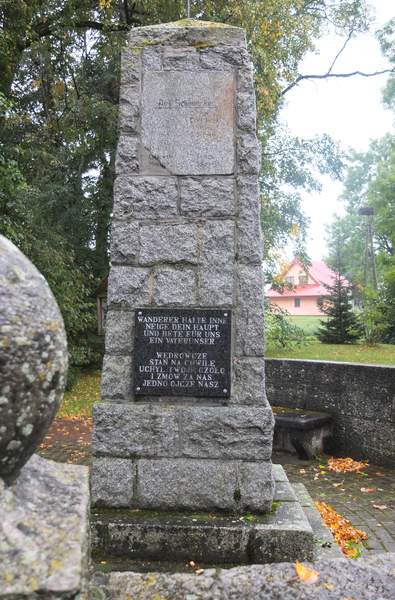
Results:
140 313
137 389
225 391
225 314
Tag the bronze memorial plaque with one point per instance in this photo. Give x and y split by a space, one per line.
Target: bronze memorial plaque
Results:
182 352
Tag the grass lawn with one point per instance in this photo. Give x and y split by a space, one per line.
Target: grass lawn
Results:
383 354
78 401
308 324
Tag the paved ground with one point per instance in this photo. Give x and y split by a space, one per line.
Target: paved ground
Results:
69 441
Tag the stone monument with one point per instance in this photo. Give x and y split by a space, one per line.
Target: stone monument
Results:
184 424
183 421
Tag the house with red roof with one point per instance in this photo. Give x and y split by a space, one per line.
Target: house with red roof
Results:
309 290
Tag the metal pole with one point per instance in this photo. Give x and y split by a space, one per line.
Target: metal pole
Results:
188 11
373 257
365 266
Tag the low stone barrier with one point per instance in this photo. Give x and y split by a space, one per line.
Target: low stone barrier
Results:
360 398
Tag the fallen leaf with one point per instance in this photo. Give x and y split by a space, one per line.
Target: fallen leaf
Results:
367 490
380 506
306 574
192 564
199 571
379 474
380 490
303 471
344 534
329 586
336 484
378 525
343 465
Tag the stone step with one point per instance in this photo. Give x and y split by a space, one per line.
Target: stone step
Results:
285 535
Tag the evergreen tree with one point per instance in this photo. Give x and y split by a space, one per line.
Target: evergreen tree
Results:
342 326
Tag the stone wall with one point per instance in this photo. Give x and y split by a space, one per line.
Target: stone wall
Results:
361 399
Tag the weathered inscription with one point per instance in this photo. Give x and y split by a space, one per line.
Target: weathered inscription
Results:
182 352
187 121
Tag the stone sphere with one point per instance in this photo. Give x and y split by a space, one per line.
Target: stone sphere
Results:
33 359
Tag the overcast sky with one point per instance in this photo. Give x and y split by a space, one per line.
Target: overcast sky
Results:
347 109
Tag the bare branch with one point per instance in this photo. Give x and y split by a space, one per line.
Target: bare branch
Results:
340 51
340 75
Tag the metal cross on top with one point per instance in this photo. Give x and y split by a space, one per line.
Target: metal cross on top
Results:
187 9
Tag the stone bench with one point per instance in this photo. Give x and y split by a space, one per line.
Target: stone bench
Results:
300 430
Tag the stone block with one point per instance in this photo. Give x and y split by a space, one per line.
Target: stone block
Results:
129 109
288 536
128 287
216 287
168 244
112 481
124 242
191 484
217 56
339 578
135 430
180 59
249 382
174 287
201 33
186 484
227 432
246 110
116 380
130 65
178 541
127 156
152 59
284 491
256 486
208 197
187 121
279 473
44 524
245 78
250 312
248 154
119 332
145 198
249 233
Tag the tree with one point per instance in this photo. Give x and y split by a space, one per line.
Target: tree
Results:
342 326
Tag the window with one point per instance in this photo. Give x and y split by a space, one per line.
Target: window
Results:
290 280
303 279
297 302
320 302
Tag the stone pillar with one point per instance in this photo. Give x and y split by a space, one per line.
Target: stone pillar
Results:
186 283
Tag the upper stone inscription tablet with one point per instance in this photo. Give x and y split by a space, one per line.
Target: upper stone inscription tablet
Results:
187 122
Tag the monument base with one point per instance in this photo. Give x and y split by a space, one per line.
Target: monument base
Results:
283 535
44 532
